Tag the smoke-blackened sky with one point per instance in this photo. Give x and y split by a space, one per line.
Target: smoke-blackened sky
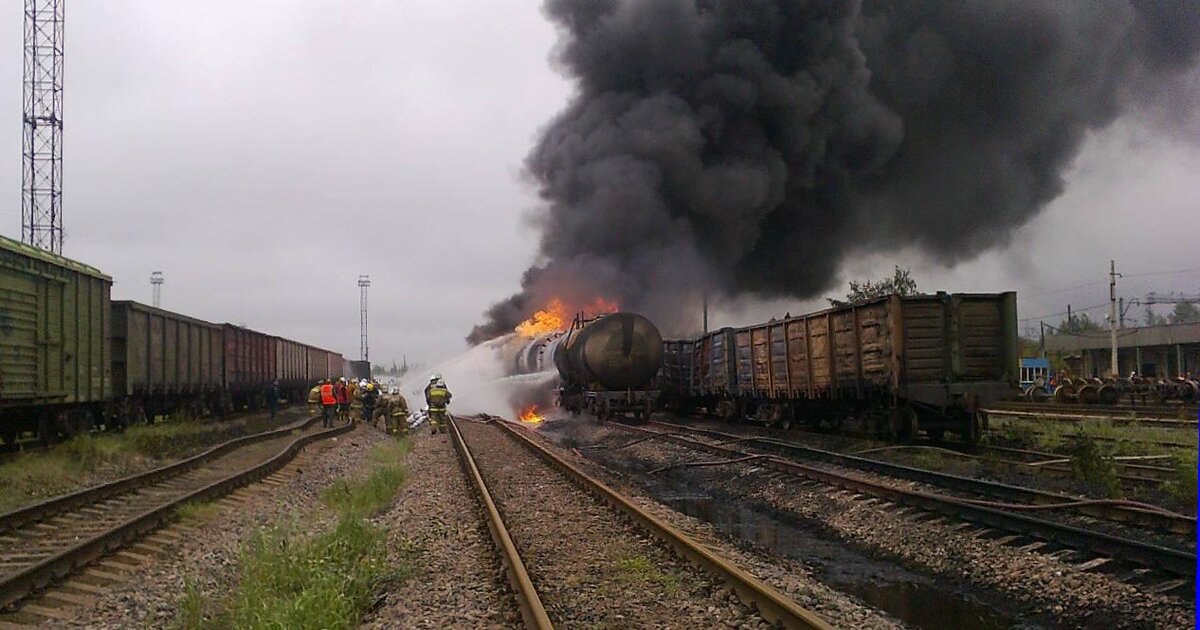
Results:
752 147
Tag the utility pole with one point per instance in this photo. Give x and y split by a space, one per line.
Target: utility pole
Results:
1043 339
364 282
706 313
41 138
1112 314
156 282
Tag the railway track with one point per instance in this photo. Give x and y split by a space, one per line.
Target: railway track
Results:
1153 416
46 542
1171 566
532 567
1134 470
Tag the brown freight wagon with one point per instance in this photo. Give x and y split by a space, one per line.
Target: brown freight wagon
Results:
291 368
893 366
164 363
249 365
318 365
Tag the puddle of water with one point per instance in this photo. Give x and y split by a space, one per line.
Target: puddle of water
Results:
913 598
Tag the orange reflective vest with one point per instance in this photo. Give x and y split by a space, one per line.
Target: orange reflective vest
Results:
327 397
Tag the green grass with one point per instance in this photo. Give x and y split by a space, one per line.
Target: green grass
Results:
1183 487
197 511
83 460
639 569
289 578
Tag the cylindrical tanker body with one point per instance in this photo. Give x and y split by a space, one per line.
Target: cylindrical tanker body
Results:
619 351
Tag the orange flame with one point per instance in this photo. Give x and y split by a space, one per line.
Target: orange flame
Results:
550 319
556 316
531 415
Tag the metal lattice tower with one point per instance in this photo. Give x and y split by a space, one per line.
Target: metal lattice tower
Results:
41 141
156 282
364 282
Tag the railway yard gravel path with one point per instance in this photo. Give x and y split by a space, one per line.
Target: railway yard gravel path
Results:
592 568
435 525
1048 588
204 554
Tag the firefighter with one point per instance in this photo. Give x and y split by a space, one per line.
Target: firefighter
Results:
314 400
328 403
370 397
397 422
342 393
437 397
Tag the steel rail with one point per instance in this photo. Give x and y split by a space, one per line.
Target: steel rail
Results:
40 511
20 585
528 601
1057 416
774 606
1177 524
1175 561
1169 412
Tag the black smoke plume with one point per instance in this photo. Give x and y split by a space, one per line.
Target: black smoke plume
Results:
735 147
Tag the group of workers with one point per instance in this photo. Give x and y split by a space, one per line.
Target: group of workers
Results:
341 399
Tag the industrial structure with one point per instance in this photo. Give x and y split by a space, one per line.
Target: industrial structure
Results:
1151 351
156 282
41 137
364 283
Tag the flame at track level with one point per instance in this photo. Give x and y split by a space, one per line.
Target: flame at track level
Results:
556 316
531 415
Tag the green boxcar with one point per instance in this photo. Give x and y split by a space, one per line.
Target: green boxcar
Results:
54 331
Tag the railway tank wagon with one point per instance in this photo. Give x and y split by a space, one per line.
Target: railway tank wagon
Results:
894 366
608 365
164 363
55 372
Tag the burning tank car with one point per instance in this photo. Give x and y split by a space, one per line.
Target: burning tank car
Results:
606 365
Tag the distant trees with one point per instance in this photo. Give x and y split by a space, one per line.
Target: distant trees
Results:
1079 324
901 282
1184 313
1154 319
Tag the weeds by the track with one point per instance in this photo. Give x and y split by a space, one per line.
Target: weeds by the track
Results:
89 459
640 570
197 511
1183 487
1089 465
289 578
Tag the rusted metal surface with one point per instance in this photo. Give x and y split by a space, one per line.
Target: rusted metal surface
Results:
33 578
56 505
770 603
528 601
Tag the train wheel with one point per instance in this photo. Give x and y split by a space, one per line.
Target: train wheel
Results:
910 424
1064 394
9 434
1108 394
976 423
1088 394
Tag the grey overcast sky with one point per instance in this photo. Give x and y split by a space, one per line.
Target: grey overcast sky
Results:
263 154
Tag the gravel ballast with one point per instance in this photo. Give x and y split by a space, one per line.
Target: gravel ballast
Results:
437 528
592 567
1044 586
207 554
